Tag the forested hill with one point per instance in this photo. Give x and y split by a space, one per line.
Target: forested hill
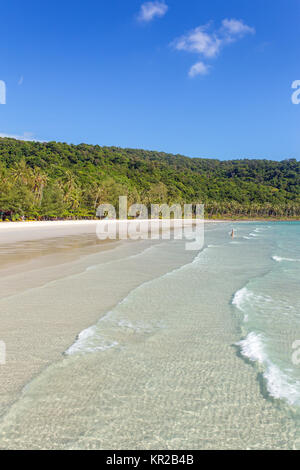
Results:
57 180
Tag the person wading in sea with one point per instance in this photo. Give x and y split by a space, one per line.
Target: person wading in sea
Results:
232 233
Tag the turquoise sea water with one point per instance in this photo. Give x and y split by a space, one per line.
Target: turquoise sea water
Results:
202 355
269 306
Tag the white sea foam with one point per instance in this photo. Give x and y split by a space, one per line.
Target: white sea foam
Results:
241 297
244 298
252 347
280 259
89 340
92 267
278 383
254 234
281 386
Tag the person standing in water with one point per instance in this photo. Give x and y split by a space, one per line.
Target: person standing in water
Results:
232 233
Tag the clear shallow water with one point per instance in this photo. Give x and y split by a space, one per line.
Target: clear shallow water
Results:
199 357
270 313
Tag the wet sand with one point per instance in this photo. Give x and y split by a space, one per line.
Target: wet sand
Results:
44 302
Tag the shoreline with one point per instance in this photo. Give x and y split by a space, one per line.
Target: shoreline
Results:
134 329
66 222
11 232
48 301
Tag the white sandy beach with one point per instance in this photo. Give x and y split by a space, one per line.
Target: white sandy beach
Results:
11 232
155 364
38 326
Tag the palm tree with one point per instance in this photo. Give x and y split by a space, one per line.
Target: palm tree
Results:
39 181
20 172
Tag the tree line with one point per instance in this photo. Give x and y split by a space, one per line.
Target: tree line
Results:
44 181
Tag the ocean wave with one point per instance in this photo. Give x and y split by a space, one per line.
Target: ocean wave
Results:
242 297
200 257
140 326
92 339
245 298
98 337
280 259
252 347
279 384
238 296
136 255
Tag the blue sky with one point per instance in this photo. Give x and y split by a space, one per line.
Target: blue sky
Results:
203 78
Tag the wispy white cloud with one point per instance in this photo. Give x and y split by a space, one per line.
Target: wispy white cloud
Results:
236 28
199 40
199 69
150 10
21 80
208 42
25 136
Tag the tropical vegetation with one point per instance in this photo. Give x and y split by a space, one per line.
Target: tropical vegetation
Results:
50 180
